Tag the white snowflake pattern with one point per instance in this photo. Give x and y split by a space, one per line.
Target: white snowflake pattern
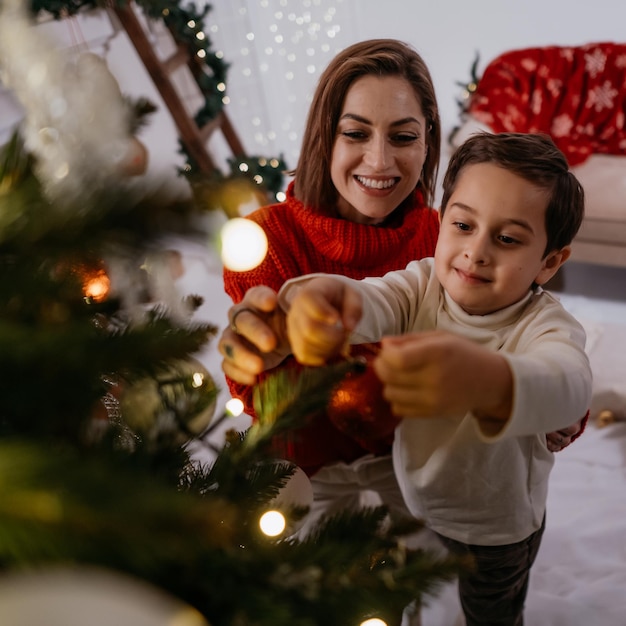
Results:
554 86
512 118
586 129
620 60
595 62
536 102
568 54
601 97
543 71
561 125
529 64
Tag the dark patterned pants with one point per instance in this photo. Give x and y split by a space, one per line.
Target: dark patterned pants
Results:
493 594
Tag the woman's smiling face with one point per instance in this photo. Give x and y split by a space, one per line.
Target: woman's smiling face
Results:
379 148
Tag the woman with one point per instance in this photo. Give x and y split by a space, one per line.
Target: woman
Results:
359 206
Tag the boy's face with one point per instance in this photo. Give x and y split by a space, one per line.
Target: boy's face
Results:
492 240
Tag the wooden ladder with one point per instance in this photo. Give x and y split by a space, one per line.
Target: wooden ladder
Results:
194 139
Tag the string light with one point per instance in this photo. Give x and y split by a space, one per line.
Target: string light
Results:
234 407
197 380
96 286
285 37
273 523
244 244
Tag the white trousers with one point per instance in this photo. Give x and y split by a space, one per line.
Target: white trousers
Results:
368 481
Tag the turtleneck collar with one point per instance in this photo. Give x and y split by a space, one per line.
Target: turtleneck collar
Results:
365 245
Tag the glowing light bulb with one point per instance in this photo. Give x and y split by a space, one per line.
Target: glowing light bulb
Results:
244 244
197 379
374 621
272 523
234 406
96 286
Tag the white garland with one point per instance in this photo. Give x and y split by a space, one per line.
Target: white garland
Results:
77 122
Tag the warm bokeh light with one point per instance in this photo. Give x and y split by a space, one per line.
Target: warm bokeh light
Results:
244 244
374 621
234 406
272 523
96 286
197 379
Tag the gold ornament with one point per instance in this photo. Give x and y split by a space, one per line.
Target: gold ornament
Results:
180 400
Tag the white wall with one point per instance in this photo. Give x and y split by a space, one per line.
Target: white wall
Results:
278 48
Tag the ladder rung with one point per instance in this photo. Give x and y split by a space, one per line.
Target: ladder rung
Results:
180 57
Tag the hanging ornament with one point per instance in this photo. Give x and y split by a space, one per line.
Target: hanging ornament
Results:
357 406
135 159
179 401
76 121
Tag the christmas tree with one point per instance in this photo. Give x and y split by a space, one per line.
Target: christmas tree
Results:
102 397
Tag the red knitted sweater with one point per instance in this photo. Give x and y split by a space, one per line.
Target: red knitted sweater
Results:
301 242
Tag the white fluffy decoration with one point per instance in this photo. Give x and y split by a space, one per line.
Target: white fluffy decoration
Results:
77 123
82 595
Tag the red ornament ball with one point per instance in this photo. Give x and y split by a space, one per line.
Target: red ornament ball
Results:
357 406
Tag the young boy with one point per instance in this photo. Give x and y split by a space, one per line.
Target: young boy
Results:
497 361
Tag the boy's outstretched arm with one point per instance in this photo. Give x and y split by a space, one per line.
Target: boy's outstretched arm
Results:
437 373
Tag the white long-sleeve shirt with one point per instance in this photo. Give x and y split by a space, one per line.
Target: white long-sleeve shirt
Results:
467 485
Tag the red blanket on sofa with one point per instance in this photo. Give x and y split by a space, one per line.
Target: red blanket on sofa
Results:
575 94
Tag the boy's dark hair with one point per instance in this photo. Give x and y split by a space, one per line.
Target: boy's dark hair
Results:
534 157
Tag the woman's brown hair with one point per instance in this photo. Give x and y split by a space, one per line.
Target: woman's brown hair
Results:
378 57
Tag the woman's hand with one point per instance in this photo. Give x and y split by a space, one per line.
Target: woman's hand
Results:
255 339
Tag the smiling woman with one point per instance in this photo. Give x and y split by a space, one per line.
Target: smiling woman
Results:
359 205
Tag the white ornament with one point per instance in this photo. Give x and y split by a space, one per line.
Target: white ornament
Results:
76 122
82 595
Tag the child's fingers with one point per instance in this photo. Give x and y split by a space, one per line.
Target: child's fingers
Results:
314 329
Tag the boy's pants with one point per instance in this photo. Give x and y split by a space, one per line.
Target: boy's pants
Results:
494 593
369 481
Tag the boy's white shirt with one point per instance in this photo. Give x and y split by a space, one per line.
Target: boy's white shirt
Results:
468 485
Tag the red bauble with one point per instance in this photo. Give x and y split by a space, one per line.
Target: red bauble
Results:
357 406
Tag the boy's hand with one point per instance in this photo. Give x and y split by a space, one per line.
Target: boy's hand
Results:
321 316
438 373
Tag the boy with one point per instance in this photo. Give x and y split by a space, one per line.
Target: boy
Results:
497 362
